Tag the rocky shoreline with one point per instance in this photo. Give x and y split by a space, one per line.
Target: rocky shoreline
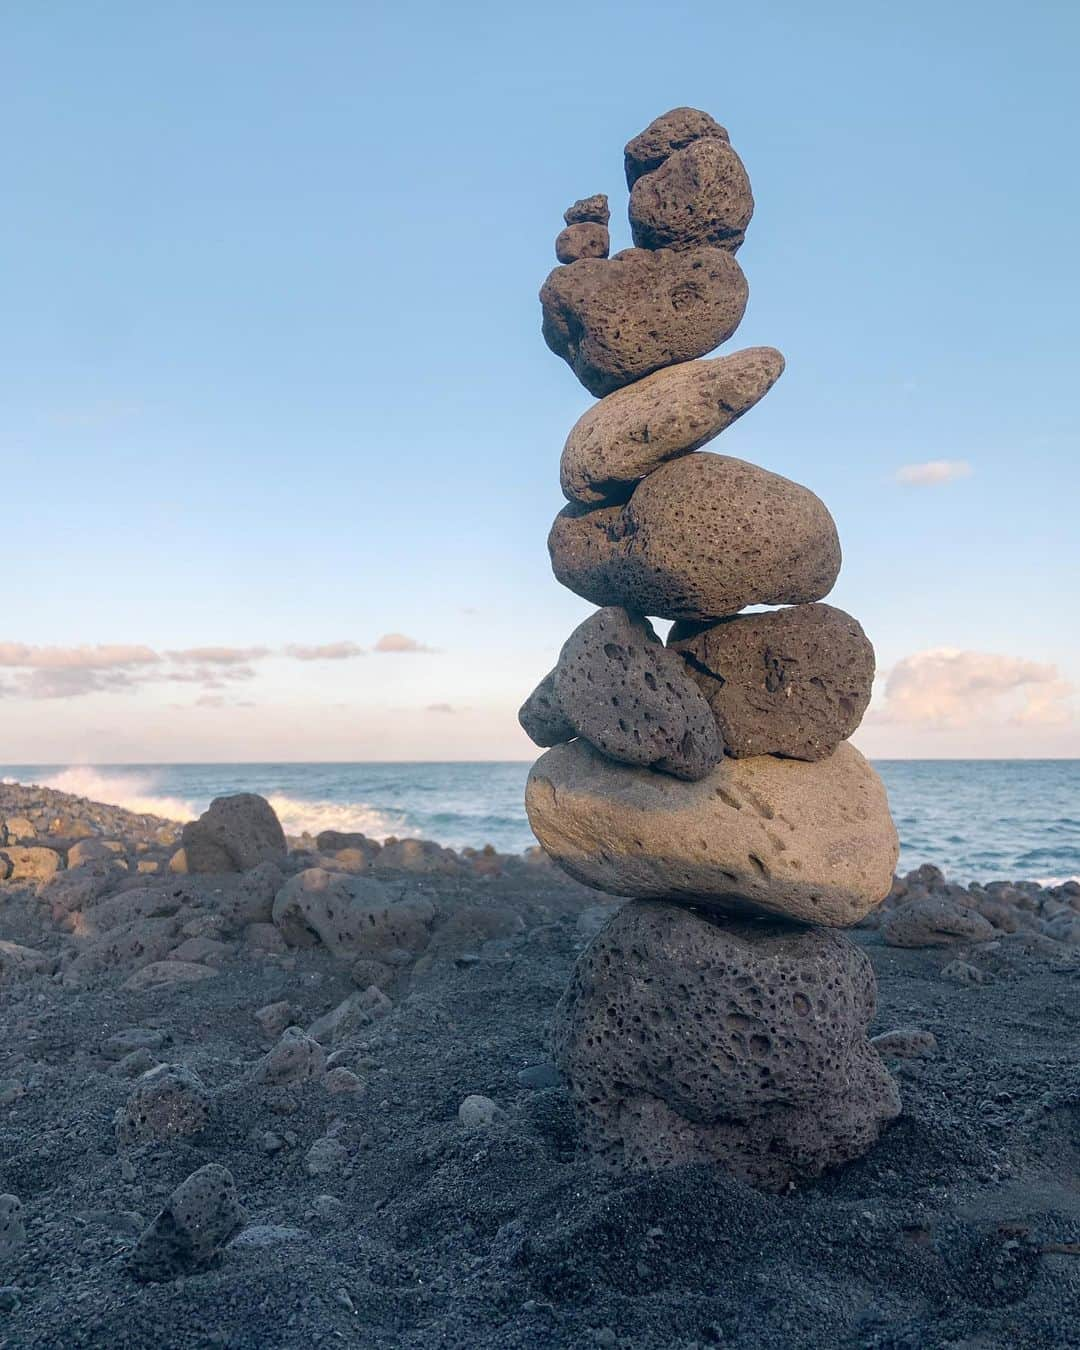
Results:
314 1099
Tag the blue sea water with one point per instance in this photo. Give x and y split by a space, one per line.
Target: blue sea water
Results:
976 819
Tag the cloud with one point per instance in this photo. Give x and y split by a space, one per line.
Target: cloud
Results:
329 651
439 708
219 656
948 689
19 655
398 642
210 701
934 471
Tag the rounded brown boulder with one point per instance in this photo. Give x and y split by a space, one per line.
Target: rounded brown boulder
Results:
793 681
614 320
685 1038
701 538
699 195
665 134
586 239
619 687
627 435
810 842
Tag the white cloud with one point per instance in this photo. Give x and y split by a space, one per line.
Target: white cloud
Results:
948 689
440 708
398 642
20 655
328 651
934 471
219 656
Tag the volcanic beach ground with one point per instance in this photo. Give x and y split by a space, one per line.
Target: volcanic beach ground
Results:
961 1228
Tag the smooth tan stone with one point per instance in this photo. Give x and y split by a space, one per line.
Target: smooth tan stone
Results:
814 842
669 413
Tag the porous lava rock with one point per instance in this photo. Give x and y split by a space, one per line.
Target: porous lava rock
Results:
664 135
620 688
593 210
614 320
167 1101
701 538
935 922
295 1058
187 1236
688 1039
352 916
699 195
627 435
586 239
541 717
233 834
792 681
811 842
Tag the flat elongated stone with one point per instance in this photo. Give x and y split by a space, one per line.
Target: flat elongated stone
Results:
699 195
627 435
813 842
702 537
619 687
665 134
792 681
614 320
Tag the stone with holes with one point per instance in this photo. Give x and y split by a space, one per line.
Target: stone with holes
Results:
664 135
701 538
233 834
685 1037
351 915
935 922
584 240
792 682
541 717
614 320
699 195
812 842
202 1215
169 1100
295 1058
627 435
619 687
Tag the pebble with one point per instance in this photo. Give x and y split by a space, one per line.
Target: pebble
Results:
477 1111
962 972
539 1076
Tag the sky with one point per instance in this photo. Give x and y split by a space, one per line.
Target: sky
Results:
279 436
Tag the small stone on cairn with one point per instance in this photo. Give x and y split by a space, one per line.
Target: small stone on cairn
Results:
720 1016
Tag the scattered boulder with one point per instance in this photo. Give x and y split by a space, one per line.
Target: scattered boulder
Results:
123 1043
326 1155
699 196
700 538
234 834
275 1017
95 850
812 842
620 688
352 916
128 947
167 1101
477 1111
614 320
627 435
664 135
296 1058
200 1218
686 1039
162 974
935 922
906 1043
32 863
793 681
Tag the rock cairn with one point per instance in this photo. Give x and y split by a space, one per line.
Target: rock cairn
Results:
719 1016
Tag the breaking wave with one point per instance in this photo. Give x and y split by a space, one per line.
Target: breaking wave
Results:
133 791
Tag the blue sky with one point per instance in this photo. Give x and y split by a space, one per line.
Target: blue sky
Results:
271 373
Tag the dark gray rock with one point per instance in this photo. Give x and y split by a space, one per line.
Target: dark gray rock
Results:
614 320
792 682
935 922
169 1100
702 537
235 833
187 1236
541 717
685 1039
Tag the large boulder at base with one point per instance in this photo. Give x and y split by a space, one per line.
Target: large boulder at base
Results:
234 834
701 538
620 688
689 1038
812 842
792 681
627 435
353 916
699 195
201 1216
664 135
614 320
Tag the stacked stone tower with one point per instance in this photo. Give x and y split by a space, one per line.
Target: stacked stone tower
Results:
720 1015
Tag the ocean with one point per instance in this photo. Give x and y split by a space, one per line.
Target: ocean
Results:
976 819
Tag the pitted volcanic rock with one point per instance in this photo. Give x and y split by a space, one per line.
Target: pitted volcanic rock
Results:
541 717
620 688
699 196
201 1216
810 842
587 239
685 1038
234 833
614 320
701 538
664 135
792 682
592 210
627 435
